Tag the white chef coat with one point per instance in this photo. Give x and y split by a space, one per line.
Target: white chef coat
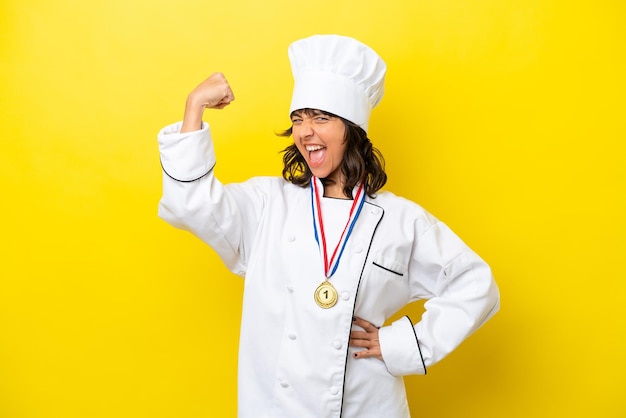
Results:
294 359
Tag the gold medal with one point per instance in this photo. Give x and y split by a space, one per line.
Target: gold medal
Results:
325 295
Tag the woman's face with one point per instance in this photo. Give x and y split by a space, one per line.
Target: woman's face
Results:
320 138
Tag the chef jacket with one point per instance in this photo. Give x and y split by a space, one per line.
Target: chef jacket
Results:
294 358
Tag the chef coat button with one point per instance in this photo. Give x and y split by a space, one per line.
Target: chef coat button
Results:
337 344
334 390
345 295
358 250
290 288
284 384
374 211
292 336
291 238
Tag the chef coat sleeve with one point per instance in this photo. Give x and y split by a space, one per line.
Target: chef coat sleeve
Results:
462 295
194 200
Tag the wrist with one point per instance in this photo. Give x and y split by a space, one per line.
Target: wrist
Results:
192 120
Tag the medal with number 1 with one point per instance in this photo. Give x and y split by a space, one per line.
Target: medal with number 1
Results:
326 295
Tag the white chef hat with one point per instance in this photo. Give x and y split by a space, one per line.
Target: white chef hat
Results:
336 74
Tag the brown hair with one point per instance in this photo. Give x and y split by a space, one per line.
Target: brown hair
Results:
360 160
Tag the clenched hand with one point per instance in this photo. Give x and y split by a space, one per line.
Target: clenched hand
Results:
212 93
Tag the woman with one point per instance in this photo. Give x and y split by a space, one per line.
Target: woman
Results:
326 257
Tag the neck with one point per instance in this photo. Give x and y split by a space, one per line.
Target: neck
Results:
335 190
334 185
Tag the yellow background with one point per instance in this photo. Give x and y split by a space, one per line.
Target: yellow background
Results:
504 118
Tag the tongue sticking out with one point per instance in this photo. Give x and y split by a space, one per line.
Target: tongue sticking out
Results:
317 155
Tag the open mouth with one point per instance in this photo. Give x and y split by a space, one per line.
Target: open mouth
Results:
316 153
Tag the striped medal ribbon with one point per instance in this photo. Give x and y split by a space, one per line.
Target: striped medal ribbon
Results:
326 294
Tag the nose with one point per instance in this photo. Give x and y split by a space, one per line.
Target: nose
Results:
304 129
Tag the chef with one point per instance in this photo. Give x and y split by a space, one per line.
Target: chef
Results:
325 255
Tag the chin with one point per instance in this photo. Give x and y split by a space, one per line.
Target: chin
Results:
317 171
320 174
